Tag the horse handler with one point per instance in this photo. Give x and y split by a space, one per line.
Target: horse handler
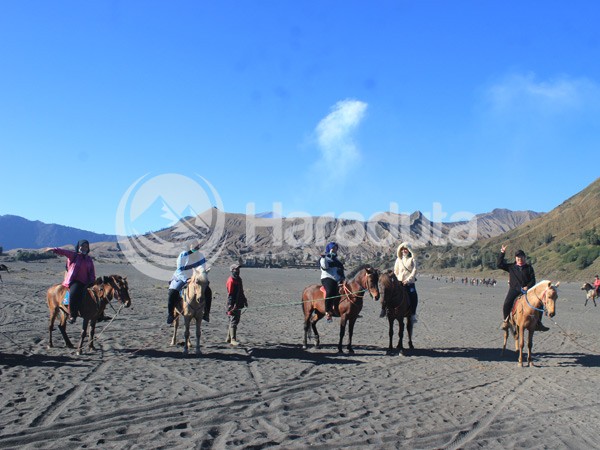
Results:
236 300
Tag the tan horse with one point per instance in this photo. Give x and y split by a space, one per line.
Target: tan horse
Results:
96 297
526 313
590 293
192 307
351 302
396 303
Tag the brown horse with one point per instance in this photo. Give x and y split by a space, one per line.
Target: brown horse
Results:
192 307
96 297
396 303
590 293
527 312
352 292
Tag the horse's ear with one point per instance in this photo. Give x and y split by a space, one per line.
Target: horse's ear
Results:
557 284
98 280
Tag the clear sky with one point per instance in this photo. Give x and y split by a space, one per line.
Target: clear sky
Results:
321 106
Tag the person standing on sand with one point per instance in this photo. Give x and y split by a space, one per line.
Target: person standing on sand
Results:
521 278
236 300
186 262
332 274
405 269
80 272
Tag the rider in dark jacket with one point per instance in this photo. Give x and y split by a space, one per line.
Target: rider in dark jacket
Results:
521 278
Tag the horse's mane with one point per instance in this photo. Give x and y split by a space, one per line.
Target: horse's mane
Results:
358 269
541 282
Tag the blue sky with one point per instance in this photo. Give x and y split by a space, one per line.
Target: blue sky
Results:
326 107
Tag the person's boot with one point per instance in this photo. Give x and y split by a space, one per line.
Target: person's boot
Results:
540 326
234 341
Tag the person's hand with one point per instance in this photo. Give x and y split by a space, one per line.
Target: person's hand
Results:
503 249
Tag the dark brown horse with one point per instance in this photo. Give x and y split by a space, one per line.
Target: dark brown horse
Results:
96 297
352 292
396 303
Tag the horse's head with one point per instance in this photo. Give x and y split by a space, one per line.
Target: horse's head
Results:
551 295
116 286
586 287
199 280
371 282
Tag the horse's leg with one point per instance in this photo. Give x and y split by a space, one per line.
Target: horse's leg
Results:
313 324
92 334
521 345
186 334
53 314
342 333
198 332
505 339
306 329
390 350
400 346
351 323
409 329
175 326
529 347
83 335
62 326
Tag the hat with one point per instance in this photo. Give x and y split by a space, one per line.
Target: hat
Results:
234 267
520 253
330 246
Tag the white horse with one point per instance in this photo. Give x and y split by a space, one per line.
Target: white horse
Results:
590 293
192 307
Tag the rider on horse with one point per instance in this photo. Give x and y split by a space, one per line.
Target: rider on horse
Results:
186 262
332 274
521 277
597 286
79 274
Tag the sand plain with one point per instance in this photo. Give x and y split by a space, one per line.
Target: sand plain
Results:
453 391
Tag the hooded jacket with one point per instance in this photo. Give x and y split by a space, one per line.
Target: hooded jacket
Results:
405 267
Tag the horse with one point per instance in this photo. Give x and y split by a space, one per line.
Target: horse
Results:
396 303
192 307
4 268
526 313
590 293
95 299
364 279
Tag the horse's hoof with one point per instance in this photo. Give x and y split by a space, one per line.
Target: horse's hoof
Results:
390 352
402 353
304 347
351 351
412 347
185 351
340 351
